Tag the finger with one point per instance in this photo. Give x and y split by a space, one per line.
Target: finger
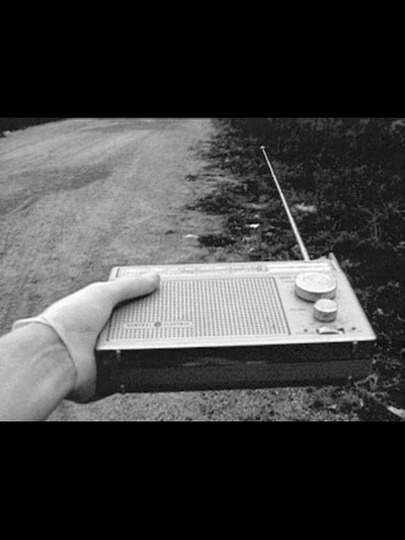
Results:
127 289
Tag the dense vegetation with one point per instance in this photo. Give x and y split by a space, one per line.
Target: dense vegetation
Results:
349 174
11 124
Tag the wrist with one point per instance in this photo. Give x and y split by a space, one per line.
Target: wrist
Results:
54 337
46 373
83 362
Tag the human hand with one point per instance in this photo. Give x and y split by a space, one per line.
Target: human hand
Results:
79 319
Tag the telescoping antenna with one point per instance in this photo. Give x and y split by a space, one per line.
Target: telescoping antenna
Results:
297 234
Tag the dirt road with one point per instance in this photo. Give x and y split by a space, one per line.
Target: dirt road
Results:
81 196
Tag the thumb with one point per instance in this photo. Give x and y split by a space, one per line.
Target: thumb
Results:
127 289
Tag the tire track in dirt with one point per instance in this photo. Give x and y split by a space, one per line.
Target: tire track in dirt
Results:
81 196
60 236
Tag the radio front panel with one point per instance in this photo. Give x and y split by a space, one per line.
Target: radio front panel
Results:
231 305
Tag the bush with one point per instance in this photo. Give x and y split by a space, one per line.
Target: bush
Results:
352 170
11 124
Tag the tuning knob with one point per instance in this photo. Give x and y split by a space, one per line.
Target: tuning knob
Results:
315 286
325 310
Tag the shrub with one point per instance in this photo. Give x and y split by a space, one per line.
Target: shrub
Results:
11 124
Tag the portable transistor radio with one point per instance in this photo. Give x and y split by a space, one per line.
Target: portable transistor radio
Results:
235 326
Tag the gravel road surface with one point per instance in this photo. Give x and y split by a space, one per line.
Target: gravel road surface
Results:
81 196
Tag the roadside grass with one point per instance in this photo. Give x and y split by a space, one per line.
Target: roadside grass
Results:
359 216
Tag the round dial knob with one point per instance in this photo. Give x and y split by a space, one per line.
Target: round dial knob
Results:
325 310
314 286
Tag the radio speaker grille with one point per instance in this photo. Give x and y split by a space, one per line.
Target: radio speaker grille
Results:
189 309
